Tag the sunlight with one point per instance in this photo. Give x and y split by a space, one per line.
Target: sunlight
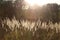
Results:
36 2
40 2
30 2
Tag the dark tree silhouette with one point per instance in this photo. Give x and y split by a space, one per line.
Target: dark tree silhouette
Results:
7 9
50 12
19 10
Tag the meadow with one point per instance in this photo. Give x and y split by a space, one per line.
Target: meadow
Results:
28 30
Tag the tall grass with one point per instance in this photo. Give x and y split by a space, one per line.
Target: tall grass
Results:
28 30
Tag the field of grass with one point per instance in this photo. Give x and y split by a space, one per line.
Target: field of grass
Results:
27 30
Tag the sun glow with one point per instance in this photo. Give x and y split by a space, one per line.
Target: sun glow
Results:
36 2
41 2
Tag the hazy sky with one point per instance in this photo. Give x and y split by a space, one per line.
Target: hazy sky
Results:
41 2
52 1
45 1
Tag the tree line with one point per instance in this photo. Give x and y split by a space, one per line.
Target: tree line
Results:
45 13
